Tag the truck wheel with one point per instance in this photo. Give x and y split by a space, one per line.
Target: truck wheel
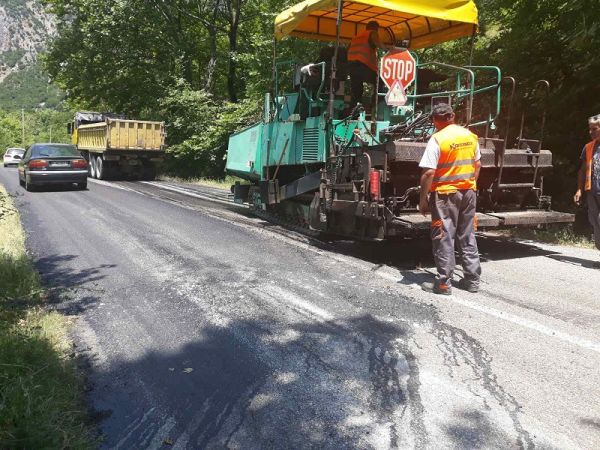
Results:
148 174
100 171
92 165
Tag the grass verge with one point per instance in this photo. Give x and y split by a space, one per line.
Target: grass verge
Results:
41 401
559 235
224 183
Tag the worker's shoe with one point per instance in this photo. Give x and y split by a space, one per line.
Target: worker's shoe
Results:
437 288
467 285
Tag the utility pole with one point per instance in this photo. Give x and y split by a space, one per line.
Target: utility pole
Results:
23 127
51 133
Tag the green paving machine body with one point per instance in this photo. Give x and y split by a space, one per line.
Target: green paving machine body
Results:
320 162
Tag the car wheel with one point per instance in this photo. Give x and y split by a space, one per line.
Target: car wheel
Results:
82 186
28 186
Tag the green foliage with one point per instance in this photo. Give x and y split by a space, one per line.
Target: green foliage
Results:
41 125
11 57
198 127
29 88
178 60
10 132
554 40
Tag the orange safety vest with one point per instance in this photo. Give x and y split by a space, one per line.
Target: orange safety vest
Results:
456 166
589 152
360 50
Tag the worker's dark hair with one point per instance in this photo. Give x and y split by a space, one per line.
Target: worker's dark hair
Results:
372 25
442 111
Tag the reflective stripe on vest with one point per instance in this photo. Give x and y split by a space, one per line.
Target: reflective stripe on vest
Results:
456 165
361 50
589 153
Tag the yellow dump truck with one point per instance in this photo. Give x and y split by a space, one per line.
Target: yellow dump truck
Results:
116 147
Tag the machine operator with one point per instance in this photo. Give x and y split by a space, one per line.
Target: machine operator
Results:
362 61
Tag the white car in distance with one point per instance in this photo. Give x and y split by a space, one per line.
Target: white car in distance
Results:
13 156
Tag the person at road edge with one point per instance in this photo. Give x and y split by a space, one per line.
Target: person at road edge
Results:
451 165
588 178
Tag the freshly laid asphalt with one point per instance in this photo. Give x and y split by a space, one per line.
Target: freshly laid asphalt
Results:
200 326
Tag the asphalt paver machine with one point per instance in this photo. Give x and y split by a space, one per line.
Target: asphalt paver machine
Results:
319 162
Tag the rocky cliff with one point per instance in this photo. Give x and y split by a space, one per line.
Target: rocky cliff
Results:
25 28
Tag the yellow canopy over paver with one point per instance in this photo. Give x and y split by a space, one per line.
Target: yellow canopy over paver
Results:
424 23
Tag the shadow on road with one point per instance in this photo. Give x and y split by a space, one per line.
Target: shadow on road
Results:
587 263
410 254
54 188
246 386
70 290
250 384
473 429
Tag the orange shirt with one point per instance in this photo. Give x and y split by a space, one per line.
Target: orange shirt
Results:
456 165
361 50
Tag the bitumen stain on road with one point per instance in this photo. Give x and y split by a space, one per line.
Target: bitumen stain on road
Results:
459 348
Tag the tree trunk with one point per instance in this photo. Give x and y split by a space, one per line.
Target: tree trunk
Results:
234 22
212 46
212 64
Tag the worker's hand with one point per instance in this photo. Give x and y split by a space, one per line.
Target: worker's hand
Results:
577 197
309 70
424 206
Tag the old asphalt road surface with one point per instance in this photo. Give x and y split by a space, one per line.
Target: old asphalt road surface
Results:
204 327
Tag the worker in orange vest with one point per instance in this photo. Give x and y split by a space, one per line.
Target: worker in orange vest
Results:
362 61
451 164
588 179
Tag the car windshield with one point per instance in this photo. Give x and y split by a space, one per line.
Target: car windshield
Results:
49 150
15 151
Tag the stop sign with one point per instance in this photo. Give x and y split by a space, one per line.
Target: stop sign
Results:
398 65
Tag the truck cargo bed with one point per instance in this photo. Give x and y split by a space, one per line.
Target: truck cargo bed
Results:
122 135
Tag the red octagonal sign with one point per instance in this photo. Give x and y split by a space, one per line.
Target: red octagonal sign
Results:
398 65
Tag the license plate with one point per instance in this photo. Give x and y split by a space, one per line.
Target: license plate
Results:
60 164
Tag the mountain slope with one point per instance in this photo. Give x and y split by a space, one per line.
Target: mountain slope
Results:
24 31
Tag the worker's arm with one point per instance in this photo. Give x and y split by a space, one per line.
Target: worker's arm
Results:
580 184
376 41
580 178
426 180
477 169
477 164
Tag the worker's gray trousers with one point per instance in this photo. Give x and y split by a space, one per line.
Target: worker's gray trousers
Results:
453 222
593 202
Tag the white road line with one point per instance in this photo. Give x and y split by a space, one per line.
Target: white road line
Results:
303 304
531 324
279 294
188 193
108 184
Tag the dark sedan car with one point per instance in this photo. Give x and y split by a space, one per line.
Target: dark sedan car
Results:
45 164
